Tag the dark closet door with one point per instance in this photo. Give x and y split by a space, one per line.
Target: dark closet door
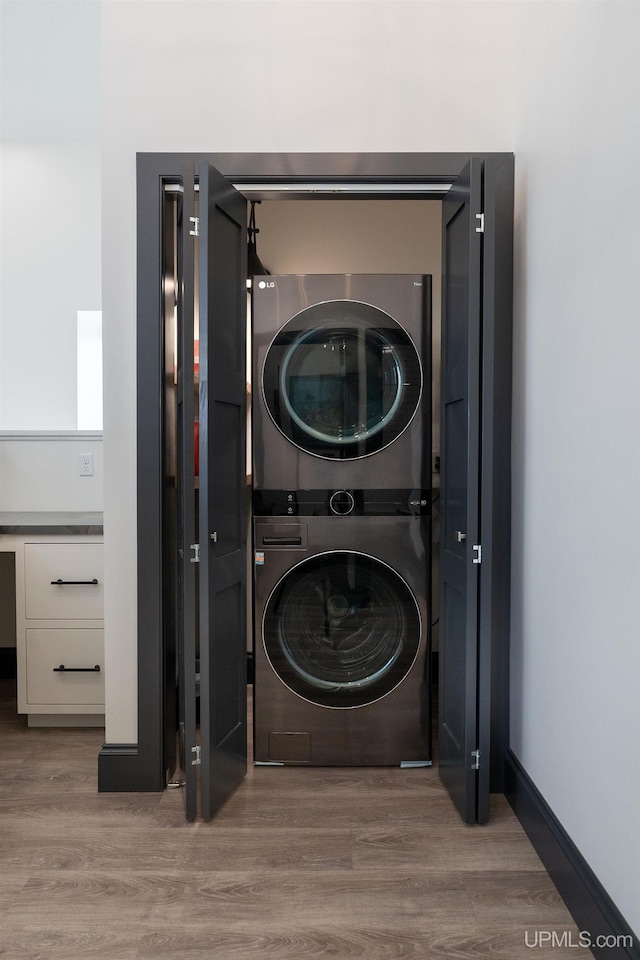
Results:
187 534
222 489
460 545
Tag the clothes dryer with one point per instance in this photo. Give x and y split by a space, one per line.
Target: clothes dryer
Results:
342 640
342 382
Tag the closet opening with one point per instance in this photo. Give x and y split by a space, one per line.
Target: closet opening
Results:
375 205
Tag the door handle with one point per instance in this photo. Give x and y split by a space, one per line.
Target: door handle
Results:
63 669
460 536
282 541
62 583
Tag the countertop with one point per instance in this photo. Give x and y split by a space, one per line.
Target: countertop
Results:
25 523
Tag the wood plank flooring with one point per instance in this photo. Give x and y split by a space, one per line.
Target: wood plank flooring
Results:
300 863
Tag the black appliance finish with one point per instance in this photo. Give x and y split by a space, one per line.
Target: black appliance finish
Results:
342 382
342 635
341 503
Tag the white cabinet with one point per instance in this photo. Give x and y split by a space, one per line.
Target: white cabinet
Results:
63 581
59 621
64 666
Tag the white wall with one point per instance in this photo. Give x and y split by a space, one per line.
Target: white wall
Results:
50 70
50 269
40 472
576 540
254 76
49 204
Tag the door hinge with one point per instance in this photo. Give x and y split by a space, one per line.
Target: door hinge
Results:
198 760
196 549
196 223
478 547
475 757
480 227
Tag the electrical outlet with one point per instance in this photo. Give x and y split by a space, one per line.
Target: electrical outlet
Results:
85 461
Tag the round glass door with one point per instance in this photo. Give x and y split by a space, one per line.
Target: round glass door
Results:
341 629
342 379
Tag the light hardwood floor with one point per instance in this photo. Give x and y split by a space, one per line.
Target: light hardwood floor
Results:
300 863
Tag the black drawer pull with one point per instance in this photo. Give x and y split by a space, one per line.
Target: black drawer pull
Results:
58 582
63 669
282 541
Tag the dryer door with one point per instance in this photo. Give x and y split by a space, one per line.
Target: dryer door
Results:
342 379
342 629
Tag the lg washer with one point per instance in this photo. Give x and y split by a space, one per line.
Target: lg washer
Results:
342 639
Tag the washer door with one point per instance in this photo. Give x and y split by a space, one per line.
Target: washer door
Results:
342 379
341 629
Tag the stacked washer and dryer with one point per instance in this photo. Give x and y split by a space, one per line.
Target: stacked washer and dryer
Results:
342 474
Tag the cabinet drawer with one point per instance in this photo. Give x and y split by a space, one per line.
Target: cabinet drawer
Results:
76 566
79 651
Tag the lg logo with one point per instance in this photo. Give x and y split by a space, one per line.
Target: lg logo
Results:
264 283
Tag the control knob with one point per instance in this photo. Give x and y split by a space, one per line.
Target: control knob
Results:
341 503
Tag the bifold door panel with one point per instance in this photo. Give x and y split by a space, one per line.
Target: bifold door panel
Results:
213 648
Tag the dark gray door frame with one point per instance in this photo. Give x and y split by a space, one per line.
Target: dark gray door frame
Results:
140 766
